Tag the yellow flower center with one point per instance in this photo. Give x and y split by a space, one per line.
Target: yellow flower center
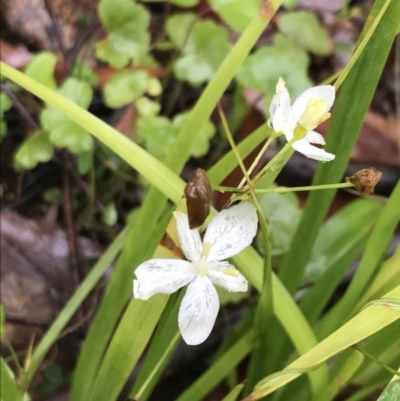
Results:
230 271
315 113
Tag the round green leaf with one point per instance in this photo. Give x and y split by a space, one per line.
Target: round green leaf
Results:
264 67
36 149
63 132
41 69
72 136
179 26
202 144
124 87
204 51
305 30
158 133
127 25
236 13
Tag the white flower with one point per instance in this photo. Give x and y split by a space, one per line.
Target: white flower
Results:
308 111
229 232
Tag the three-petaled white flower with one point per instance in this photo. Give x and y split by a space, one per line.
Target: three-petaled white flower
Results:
228 233
308 111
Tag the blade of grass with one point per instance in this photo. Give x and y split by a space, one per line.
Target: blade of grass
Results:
9 389
73 304
367 322
219 369
375 252
344 128
141 240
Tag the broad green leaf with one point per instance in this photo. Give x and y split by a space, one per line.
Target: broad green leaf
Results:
9 389
84 161
158 133
236 13
304 29
206 47
124 87
391 392
41 69
127 25
282 213
36 149
179 27
201 145
147 107
64 132
184 3
265 66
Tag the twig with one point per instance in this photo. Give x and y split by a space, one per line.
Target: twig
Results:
19 106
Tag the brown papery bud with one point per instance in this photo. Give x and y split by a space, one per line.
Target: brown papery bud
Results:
198 194
365 180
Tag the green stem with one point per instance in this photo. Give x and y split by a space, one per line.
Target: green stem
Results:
275 160
257 159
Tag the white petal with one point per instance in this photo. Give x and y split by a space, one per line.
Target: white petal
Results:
280 106
198 311
231 231
226 276
312 152
190 239
315 137
323 92
163 276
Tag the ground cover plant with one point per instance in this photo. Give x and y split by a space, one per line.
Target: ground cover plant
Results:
193 206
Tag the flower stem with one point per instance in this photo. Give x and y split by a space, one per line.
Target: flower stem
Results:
257 159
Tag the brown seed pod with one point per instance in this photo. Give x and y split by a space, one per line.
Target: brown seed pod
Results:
198 194
365 180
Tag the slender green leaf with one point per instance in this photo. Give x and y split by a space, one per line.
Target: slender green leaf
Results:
344 128
219 369
374 254
9 389
73 304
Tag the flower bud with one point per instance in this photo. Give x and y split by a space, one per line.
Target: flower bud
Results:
365 180
198 194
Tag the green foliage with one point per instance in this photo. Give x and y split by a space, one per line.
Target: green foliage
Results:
110 214
184 3
159 134
236 13
36 149
64 132
127 25
265 66
304 29
391 392
203 46
53 380
147 107
282 213
5 105
41 68
124 87
83 72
